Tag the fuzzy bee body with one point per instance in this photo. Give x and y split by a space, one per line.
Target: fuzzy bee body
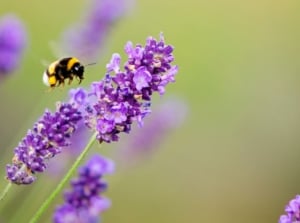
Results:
60 70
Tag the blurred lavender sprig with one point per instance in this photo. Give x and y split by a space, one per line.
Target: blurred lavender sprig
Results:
292 212
86 38
143 141
13 37
84 201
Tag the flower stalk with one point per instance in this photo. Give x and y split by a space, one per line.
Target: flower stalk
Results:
66 178
5 191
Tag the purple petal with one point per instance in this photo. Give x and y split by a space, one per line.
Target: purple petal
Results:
142 78
114 64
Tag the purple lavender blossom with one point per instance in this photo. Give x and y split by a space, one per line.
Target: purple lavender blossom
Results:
12 43
84 202
47 138
125 97
142 142
86 39
292 212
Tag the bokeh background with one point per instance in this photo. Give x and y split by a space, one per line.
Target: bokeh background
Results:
236 156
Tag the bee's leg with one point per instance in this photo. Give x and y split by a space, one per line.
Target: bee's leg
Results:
80 79
70 80
61 79
49 89
61 82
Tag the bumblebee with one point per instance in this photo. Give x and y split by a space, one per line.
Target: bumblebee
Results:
60 70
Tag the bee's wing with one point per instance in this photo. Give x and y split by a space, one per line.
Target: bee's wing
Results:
57 50
45 63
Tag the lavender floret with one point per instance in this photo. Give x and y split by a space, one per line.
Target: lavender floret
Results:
292 212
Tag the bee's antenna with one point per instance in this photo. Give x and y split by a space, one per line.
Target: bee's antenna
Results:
89 64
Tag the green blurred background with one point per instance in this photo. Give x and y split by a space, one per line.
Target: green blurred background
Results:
235 159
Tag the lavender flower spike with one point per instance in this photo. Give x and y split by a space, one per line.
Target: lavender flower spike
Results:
123 97
12 43
292 212
84 202
47 138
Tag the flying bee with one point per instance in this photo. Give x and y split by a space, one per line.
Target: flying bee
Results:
60 70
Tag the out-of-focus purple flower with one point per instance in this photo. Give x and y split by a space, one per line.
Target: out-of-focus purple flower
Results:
143 141
292 212
13 38
47 138
84 201
78 97
124 97
84 40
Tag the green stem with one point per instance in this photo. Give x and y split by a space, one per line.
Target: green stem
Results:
6 189
66 178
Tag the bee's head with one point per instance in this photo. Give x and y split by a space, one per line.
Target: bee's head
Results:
78 70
